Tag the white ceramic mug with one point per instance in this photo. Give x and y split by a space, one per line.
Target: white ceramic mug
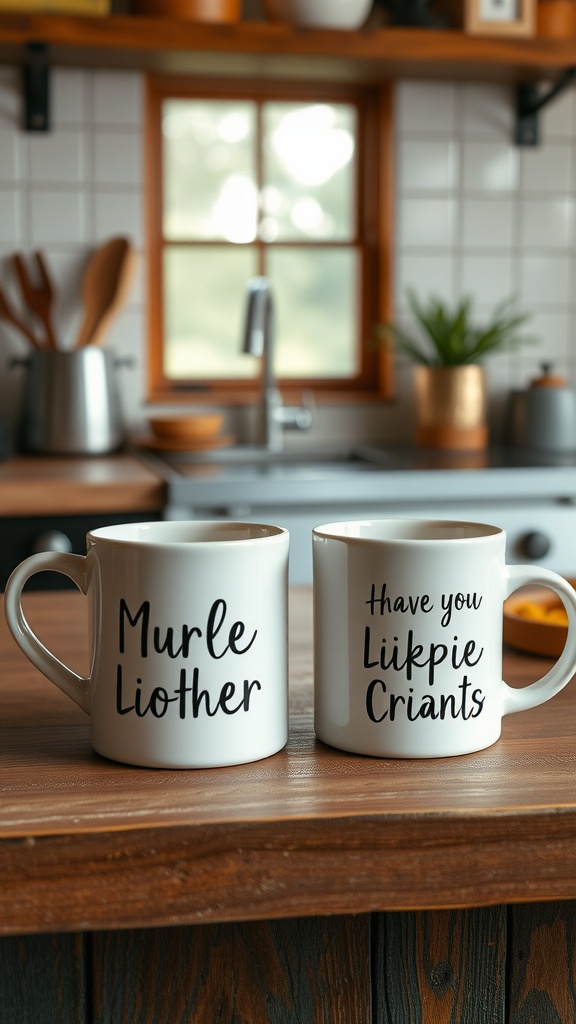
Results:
408 636
188 637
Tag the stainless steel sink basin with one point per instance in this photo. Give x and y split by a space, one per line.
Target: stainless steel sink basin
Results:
306 458
291 474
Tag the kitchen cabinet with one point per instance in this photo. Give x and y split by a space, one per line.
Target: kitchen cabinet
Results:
269 49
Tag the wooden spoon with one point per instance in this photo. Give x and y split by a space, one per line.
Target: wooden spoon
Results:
107 281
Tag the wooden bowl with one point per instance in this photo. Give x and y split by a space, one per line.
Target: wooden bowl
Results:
529 624
192 427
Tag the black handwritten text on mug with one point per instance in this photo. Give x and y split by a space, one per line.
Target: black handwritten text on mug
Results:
410 657
440 706
190 698
413 603
214 624
404 660
218 637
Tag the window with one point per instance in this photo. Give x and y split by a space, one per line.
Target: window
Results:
264 179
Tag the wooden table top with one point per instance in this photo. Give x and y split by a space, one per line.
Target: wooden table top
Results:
86 843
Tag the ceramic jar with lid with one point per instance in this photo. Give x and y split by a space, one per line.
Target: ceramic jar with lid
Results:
543 416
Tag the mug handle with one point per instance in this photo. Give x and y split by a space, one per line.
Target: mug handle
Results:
75 567
561 673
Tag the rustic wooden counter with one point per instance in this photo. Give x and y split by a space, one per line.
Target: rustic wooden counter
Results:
43 485
87 845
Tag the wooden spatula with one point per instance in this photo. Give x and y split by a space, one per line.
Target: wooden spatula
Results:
107 280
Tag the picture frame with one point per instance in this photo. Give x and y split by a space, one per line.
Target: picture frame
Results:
500 17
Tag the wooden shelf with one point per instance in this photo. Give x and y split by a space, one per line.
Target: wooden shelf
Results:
273 50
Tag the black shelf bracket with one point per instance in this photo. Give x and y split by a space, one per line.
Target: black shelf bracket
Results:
529 101
36 82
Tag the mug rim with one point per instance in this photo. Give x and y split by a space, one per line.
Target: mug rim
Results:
449 531
134 534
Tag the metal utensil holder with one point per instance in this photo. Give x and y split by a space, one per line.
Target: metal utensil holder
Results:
71 403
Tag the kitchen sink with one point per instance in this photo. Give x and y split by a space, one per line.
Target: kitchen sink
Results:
337 462
253 456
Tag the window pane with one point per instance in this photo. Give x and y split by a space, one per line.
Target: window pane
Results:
309 154
210 189
315 292
205 295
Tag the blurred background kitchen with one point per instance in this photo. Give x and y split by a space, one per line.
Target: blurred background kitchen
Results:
473 213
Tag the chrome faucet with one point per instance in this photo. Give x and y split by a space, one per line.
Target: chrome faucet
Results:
273 416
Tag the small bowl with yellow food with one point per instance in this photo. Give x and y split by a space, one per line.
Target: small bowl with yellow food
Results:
535 621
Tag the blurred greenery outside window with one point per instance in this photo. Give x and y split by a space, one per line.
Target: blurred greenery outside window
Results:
250 185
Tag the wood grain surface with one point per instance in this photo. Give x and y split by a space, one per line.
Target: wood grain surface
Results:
43 979
374 54
314 969
87 843
441 967
542 964
44 486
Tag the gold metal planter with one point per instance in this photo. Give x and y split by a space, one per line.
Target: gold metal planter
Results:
451 407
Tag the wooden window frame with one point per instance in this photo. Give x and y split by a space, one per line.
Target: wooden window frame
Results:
375 106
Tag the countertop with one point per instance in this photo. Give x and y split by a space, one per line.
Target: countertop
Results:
141 481
44 485
89 844
362 475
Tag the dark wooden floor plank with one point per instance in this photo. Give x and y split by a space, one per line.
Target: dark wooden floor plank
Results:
43 980
541 966
440 967
302 971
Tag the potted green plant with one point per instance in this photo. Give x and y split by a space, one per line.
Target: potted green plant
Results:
449 347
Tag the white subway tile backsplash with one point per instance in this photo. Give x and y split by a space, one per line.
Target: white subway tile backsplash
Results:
426 106
58 217
427 222
487 223
67 268
118 213
118 158
548 223
70 89
490 166
57 157
556 117
427 165
550 330
11 155
10 216
118 98
487 279
127 339
487 110
10 98
545 168
426 275
544 281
